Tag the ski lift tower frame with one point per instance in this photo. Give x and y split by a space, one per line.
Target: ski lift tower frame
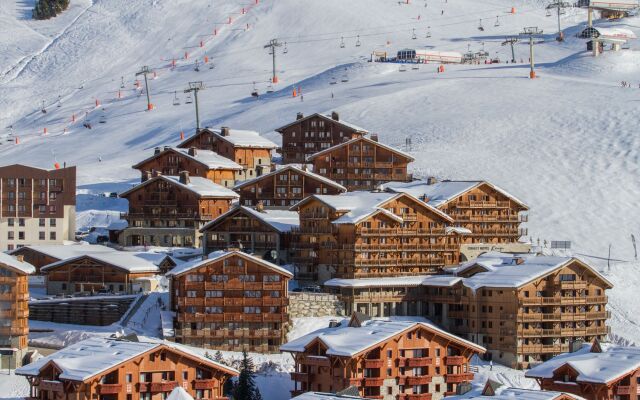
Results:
195 87
559 5
273 43
511 41
144 71
531 31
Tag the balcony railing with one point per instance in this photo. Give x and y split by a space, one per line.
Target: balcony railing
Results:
107 388
482 204
543 348
415 362
458 378
378 363
320 361
418 380
560 300
300 376
375 382
454 360
205 384
167 386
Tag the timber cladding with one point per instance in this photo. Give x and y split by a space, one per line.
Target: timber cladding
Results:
14 309
232 302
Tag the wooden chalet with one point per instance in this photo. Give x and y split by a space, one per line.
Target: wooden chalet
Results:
230 301
372 234
247 148
265 233
203 163
14 309
41 255
493 216
382 359
311 134
170 210
593 373
362 163
125 369
285 187
524 309
113 271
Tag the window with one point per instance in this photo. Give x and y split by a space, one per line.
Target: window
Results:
213 310
52 236
20 235
41 236
21 221
52 222
41 222
11 222
128 378
10 235
213 293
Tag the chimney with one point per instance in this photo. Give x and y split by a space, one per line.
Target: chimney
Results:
167 148
184 177
193 152
224 131
299 116
374 137
20 258
432 180
146 175
156 151
335 116
260 206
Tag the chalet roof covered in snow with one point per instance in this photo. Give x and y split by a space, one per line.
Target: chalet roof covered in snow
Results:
296 169
178 393
325 396
361 205
219 255
349 341
364 139
280 220
611 364
398 281
127 261
88 358
12 262
200 186
326 117
244 138
208 158
63 251
509 393
439 193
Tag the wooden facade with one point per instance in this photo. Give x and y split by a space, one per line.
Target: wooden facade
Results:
285 187
232 301
149 374
418 362
309 135
256 231
397 235
34 257
169 211
202 163
90 274
37 206
14 303
247 148
362 164
520 326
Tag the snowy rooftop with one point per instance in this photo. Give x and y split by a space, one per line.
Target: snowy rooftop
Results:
127 261
399 281
297 169
179 394
12 262
442 192
509 393
328 118
63 251
349 341
325 396
613 363
208 158
201 186
243 138
90 357
280 220
360 205
218 255
364 139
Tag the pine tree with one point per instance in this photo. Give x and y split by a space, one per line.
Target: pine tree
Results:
45 9
245 388
207 355
219 358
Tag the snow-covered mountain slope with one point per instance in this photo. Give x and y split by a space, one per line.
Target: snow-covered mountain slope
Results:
565 143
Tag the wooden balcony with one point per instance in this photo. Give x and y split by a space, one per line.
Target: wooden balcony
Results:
109 388
300 376
543 348
418 380
371 363
623 390
320 361
454 360
375 382
566 316
205 384
157 387
400 232
458 378
415 362
573 285
52 386
562 300
482 204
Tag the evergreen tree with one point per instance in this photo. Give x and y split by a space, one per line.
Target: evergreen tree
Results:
45 9
245 388
207 355
218 358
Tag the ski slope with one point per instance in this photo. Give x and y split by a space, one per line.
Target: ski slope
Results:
566 143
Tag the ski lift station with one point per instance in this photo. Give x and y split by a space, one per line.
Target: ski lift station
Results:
427 56
616 37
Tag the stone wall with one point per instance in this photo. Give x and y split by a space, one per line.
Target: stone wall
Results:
314 305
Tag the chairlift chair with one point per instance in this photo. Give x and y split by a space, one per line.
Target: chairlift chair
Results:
358 44
548 13
562 11
345 78
480 27
342 42
197 68
103 119
211 66
285 50
188 100
413 35
254 91
403 68
415 66
497 21
176 100
428 35
270 88
122 82
333 80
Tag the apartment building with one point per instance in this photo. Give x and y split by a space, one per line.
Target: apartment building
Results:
37 206
362 163
124 369
493 216
249 149
524 309
285 187
308 135
14 309
265 233
170 210
372 234
203 163
230 301
387 360
595 372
